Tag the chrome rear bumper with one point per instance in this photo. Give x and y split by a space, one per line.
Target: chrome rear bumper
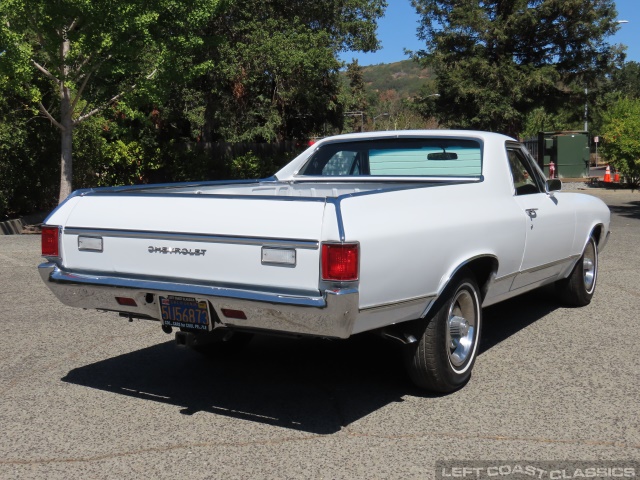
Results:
330 315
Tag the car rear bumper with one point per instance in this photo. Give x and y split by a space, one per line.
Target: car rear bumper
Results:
332 314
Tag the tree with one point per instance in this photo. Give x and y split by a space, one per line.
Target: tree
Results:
497 60
74 58
626 80
274 72
356 96
621 138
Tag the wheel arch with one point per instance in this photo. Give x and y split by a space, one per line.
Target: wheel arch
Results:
483 268
597 233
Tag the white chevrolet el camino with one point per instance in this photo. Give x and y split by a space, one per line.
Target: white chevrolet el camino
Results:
407 233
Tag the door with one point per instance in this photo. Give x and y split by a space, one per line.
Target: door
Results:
550 223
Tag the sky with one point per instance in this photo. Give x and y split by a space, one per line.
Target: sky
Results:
397 31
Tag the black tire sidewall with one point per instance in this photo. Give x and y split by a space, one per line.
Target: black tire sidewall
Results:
427 360
457 376
572 289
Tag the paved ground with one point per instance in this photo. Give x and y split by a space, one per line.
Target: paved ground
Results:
89 395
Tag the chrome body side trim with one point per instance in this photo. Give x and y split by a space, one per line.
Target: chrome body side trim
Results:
505 277
331 314
543 274
535 269
194 237
550 264
388 178
227 196
158 187
417 300
336 203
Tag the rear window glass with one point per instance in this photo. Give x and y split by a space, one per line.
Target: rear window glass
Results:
398 157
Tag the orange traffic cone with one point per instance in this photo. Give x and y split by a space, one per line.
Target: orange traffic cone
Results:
607 174
616 177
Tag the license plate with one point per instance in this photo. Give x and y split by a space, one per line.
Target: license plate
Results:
185 312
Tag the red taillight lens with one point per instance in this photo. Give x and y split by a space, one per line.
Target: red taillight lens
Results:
50 242
340 261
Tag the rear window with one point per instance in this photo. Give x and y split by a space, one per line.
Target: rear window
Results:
428 157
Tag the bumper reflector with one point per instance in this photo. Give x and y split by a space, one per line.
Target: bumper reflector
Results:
126 301
238 314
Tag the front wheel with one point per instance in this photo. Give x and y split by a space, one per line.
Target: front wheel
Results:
577 289
442 359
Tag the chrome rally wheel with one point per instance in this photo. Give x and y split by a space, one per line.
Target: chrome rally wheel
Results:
448 338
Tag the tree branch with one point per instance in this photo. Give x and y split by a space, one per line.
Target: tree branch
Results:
82 64
48 115
80 90
34 25
46 72
99 109
114 99
86 77
73 25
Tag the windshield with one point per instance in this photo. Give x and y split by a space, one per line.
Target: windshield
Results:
430 157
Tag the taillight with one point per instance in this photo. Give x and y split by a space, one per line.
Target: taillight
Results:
50 241
340 261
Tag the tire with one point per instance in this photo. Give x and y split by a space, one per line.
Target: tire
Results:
220 343
577 289
442 358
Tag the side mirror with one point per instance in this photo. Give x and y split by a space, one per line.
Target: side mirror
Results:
554 185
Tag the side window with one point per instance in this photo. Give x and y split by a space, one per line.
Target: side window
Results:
342 163
525 179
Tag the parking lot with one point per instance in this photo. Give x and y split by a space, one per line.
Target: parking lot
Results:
90 395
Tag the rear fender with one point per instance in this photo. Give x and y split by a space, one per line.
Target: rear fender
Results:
483 267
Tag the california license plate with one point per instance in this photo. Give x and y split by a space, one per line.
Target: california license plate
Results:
185 312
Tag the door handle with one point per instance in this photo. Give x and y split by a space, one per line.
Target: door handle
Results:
532 212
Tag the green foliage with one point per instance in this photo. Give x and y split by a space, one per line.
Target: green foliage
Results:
72 58
355 98
29 168
249 166
621 138
495 61
539 120
151 89
274 74
626 80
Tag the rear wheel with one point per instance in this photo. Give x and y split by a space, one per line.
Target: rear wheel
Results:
442 359
577 289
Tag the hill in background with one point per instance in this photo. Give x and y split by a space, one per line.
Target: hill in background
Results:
405 77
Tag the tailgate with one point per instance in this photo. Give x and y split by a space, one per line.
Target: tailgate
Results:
201 238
